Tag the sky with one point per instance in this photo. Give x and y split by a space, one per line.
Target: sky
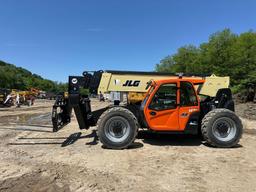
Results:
57 38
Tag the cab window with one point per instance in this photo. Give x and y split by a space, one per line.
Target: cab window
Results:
187 94
165 97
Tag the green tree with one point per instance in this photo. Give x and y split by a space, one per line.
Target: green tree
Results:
12 77
225 54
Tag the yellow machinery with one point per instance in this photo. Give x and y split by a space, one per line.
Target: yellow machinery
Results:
28 97
24 97
2 96
131 86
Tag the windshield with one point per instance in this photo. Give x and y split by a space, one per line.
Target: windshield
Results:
151 89
198 88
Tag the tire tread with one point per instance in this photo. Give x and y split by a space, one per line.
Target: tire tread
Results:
205 123
117 109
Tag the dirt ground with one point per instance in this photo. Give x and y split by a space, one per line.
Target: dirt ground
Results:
32 158
246 110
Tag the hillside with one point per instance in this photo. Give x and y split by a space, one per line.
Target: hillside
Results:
12 77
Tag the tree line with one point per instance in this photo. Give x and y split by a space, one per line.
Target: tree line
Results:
12 77
224 54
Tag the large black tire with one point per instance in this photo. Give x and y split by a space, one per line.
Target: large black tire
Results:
117 128
222 128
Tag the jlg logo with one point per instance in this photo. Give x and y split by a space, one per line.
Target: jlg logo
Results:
131 83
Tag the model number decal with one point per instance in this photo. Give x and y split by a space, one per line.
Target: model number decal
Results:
192 110
184 114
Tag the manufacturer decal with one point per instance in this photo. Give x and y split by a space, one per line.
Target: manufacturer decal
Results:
131 83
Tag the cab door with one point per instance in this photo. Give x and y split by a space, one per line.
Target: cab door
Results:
161 111
188 106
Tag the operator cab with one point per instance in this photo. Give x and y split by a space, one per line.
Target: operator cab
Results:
169 104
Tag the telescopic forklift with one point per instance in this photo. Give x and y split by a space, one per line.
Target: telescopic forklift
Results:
170 105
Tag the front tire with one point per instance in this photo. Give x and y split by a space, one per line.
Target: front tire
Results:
222 128
117 128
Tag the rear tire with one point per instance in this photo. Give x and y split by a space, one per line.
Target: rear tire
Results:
117 128
222 128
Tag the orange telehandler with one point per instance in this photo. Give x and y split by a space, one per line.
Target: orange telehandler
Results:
171 105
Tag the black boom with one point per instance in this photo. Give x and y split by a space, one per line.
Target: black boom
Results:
80 102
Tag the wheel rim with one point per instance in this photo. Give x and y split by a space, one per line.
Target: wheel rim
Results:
224 129
117 129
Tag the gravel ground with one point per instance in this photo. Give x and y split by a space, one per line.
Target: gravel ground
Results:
32 158
246 110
